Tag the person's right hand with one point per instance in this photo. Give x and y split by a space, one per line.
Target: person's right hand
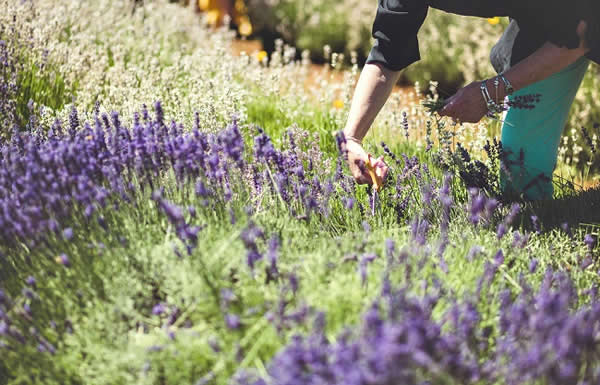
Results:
357 162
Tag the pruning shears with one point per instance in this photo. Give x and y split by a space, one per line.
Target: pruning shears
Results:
377 180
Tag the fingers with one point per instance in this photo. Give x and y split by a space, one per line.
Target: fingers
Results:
450 110
364 175
381 169
360 172
363 179
448 107
364 167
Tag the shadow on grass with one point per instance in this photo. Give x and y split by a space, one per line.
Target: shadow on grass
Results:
578 209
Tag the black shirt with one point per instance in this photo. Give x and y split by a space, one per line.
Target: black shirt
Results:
398 21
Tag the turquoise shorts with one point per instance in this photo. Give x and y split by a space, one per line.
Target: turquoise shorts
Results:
530 137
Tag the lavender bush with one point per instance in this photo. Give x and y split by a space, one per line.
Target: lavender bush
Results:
154 253
28 84
166 247
541 337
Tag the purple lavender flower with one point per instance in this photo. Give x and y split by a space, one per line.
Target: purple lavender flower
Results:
232 218
173 212
588 140
272 251
565 227
348 203
536 224
533 265
390 247
171 335
503 226
477 205
294 282
587 262
68 233
232 321
227 296
201 189
419 230
27 292
250 235
473 252
30 281
155 349
253 256
159 308
63 259
514 210
340 140
405 124
501 230
590 241
362 267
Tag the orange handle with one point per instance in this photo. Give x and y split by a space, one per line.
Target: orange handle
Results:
377 181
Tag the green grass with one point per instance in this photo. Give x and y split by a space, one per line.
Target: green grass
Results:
42 84
269 113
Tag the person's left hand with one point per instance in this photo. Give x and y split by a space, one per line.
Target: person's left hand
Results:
467 105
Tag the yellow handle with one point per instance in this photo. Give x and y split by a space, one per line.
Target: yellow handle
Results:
377 181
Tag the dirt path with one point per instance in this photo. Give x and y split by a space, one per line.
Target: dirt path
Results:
252 47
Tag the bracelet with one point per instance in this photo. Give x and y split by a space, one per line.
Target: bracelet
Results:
496 84
507 86
492 106
350 138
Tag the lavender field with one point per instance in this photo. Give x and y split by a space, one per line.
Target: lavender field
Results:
167 220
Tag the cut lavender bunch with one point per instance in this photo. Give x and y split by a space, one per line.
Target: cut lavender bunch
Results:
433 105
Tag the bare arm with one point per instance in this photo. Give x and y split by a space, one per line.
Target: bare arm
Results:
467 105
372 91
546 61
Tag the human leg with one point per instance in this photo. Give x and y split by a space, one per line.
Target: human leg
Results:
530 137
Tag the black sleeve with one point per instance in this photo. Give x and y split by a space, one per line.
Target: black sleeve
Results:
398 21
395 31
557 21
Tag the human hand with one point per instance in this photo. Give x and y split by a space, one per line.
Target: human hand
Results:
467 105
358 160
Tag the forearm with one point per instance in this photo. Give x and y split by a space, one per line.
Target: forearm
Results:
373 89
544 62
468 105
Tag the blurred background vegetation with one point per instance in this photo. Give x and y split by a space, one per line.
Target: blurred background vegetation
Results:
454 49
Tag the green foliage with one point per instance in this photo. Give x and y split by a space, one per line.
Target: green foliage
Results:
310 25
32 82
42 84
117 276
269 113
